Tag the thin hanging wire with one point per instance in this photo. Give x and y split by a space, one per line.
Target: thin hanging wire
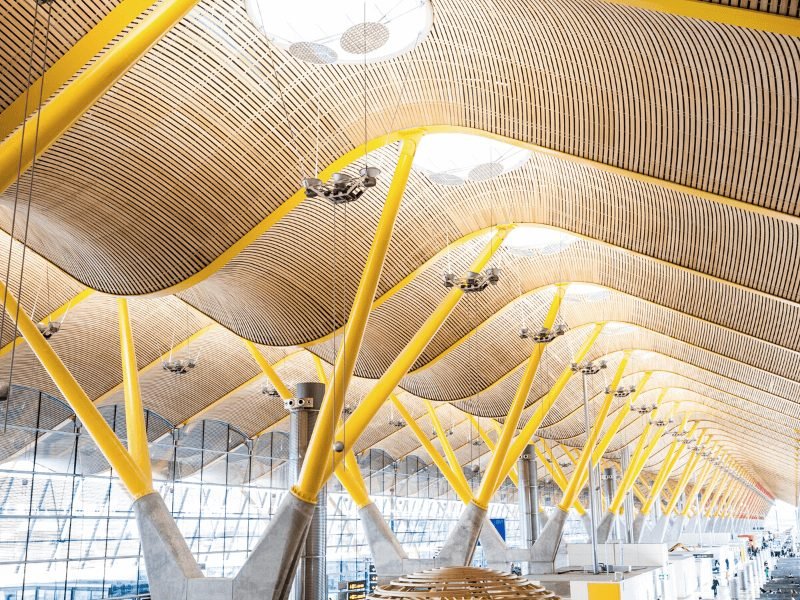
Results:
30 194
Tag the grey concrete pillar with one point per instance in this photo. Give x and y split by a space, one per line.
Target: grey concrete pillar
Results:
311 580
630 534
527 468
610 490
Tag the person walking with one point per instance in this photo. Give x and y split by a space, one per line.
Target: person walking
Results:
714 586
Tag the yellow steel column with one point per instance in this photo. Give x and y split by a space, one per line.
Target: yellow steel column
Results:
380 392
134 411
452 460
710 492
557 473
464 493
642 453
583 464
349 475
78 96
688 470
268 370
684 480
674 453
545 404
493 477
609 435
490 444
113 450
697 507
316 464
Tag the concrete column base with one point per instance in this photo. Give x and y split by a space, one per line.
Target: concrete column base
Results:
639 527
658 532
587 524
542 555
460 544
676 530
605 527
387 552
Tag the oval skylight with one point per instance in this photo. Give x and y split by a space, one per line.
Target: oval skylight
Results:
531 240
345 31
455 158
586 292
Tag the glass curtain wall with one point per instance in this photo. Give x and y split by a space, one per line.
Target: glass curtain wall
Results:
67 530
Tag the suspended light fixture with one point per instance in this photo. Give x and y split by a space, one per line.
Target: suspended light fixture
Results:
49 328
532 240
644 408
456 158
473 282
270 391
342 188
179 366
544 335
343 32
622 391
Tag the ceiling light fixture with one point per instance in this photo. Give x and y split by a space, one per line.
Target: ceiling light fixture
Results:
455 158
342 188
343 32
472 281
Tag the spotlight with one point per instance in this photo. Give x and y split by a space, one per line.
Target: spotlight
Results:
544 335
47 330
270 391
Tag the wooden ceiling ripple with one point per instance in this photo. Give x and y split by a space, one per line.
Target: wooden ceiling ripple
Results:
70 21
455 373
670 127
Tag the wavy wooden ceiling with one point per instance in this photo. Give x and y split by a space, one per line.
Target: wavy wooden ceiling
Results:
199 143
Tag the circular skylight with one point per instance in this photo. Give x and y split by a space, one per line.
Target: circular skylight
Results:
530 240
345 31
455 158
586 292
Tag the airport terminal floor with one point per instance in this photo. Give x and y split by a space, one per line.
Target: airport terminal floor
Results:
399 299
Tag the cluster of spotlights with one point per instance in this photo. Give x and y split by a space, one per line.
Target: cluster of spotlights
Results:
622 391
48 329
270 391
661 422
473 282
544 335
590 367
342 188
179 366
643 409
397 423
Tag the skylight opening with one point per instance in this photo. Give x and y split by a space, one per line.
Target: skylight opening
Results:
343 32
532 240
456 158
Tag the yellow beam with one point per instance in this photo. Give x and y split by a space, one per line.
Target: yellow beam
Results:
464 493
546 403
56 315
494 474
585 460
113 450
134 411
91 44
674 453
268 370
452 460
349 476
607 438
556 472
719 13
688 470
640 455
323 378
314 470
42 130
490 444
375 398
